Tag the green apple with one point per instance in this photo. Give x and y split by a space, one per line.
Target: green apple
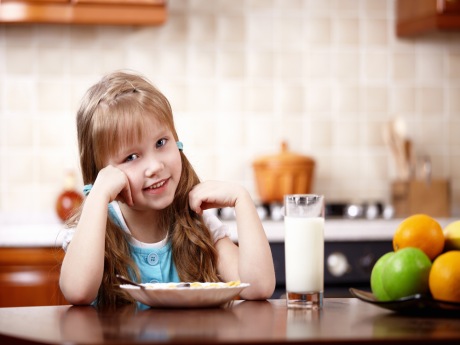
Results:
376 278
406 273
401 274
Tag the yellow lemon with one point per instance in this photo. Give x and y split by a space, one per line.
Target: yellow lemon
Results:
452 235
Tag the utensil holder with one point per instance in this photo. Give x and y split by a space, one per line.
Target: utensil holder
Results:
431 197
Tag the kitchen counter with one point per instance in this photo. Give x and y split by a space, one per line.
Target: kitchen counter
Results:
48 231
341 321
43 230
337 230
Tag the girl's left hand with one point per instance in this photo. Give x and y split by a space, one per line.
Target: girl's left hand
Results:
213 194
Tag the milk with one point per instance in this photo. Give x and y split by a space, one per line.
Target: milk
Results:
304 252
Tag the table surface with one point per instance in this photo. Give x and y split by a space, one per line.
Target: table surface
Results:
341 321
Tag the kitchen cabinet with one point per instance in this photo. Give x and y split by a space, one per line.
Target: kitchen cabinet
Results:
420 16
106 12
29 276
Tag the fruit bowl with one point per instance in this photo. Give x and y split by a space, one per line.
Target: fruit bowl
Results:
415 305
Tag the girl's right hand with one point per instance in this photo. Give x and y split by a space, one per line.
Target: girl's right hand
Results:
114 184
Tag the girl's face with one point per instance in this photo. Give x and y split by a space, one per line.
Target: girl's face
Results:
153 166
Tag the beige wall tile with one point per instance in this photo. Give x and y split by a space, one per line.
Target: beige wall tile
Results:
201 28
454 66
201 97
374 99
260 31
288 65
347 31
231 63
18 61
403 99
241 77
260 64
319 98
375 32
52 96
231 29
259 97
51 61
430 68
345 66
289 98
288 31
316 65
376 66
20 96
318 31
453 95
22 172
230 97
19 132
430 100
201 63
348 98
403 66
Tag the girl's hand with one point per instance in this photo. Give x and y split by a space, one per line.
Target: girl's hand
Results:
213 194
114 184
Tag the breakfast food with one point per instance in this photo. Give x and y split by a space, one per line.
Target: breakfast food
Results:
194 285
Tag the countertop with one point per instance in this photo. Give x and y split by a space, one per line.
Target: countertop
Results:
47 230
341 321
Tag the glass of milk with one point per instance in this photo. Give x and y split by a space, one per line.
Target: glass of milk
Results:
304 250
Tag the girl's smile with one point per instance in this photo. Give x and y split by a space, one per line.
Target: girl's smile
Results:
157 187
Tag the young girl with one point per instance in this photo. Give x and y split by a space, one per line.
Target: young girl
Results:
144 215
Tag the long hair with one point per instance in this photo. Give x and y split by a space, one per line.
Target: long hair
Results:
112 114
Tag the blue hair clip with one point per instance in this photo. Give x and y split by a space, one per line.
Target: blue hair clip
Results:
87 189
180 146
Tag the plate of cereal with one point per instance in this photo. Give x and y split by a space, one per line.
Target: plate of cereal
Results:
185 295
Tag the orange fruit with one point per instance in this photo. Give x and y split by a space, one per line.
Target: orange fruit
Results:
420 231
444 279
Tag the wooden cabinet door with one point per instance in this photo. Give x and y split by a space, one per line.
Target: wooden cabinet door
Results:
105 12
421 16
30 276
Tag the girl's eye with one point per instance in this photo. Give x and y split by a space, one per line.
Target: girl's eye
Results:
161 142
131 157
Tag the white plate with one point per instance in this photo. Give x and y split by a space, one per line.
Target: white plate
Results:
168 295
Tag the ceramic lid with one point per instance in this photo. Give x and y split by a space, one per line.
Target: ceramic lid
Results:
285 157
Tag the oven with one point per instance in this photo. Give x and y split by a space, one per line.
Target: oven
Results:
347 264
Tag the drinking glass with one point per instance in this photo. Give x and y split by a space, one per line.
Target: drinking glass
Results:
304 250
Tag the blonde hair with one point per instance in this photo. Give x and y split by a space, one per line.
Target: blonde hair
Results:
113 113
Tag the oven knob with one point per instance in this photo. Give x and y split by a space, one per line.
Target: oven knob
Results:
367 263
337 264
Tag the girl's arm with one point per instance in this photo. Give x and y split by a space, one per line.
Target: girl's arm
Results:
83 264
251 261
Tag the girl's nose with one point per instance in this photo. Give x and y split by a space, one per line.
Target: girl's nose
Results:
153 167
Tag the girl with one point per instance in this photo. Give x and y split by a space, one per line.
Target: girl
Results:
144 214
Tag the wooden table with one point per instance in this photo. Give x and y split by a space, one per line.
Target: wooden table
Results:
341 321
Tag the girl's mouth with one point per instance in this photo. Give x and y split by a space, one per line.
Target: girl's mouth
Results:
156 186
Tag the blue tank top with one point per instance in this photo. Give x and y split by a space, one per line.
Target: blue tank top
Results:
155 264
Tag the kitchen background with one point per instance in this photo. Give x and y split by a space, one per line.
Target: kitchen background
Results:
242 76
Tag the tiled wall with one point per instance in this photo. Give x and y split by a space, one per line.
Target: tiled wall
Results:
242 76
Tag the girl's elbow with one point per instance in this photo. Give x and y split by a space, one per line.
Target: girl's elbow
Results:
260 292
76 296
